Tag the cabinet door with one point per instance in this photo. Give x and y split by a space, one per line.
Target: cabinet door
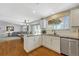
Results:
37 40
74 17
49 38
40 40
73 47
56 44
44 23
29 44
43 40
65 46
46 41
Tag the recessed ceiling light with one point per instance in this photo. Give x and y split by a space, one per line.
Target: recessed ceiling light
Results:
34 11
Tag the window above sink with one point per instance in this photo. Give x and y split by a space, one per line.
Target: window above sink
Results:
60 22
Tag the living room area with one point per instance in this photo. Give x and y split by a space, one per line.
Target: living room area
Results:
9 30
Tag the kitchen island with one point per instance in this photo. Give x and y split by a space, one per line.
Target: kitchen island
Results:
31 42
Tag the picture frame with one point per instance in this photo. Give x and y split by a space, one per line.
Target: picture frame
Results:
9 28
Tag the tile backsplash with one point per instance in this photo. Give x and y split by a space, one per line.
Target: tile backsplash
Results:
70 32
75 29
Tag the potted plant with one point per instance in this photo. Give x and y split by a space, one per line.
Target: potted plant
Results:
43 31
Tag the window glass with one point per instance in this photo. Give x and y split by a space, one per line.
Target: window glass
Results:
63 25
36 29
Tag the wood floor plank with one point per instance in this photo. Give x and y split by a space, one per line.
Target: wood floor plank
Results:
15 48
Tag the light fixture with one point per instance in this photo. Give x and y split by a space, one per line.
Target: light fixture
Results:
34 11
26 21
37 6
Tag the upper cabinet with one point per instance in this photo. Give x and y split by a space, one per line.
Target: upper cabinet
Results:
44 23
74 17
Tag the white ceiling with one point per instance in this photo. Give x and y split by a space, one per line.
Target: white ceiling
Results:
18 12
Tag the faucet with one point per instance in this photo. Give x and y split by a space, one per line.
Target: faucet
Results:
54 32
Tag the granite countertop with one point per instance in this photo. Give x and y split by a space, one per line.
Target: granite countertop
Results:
30 35
41 35
51 35
65 36
61 36
70 37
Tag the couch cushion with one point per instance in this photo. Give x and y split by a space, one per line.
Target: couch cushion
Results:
2 35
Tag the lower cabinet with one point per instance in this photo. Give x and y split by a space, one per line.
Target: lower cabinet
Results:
37 41
69 47
55 41
46 41
28 43
51 42
32 42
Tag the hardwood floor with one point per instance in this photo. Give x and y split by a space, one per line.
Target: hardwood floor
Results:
15 48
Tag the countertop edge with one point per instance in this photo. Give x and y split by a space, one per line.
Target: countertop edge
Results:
54 35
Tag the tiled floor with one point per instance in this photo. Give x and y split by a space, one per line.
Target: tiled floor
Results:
15 48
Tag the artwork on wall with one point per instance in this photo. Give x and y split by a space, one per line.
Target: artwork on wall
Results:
9 28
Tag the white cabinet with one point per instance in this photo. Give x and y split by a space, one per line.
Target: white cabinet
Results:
52 42
74 17
69 46
44 23
55 44
28 43
46 41
31 42
37 40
